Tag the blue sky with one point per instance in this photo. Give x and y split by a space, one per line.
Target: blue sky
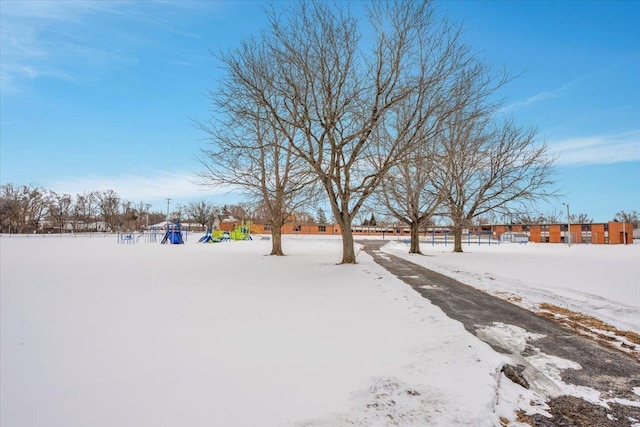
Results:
101 95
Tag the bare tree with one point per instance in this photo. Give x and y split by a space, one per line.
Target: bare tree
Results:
303 217
250 150
142 217
632 217
488 166
12 208
23 207
84 211
28 205
156 217
333 97
580 218
108 203
238 211
129 216
528 218
201 212
407 194
555 216
177 213
36 204
60 209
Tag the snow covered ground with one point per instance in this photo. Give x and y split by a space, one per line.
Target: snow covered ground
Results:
602 281
97 333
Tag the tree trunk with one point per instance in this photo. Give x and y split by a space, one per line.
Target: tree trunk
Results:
276 241
348 251
457 238
415 238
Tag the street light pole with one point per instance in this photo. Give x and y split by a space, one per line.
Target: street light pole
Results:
568 224
168 200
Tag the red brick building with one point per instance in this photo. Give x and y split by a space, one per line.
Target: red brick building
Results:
611 233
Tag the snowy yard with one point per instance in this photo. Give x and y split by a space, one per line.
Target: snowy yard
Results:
602 281
99 334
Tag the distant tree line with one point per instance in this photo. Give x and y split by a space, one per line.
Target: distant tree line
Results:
29 208
32 208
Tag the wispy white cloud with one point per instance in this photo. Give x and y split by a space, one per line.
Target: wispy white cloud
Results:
597 149
155 186
74 40
543 96
49 39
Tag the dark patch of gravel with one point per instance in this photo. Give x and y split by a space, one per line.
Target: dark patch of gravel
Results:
569 411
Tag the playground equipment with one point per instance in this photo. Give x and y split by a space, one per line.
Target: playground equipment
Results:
207 237
125 238
242 232
173 235
215 236
151 236
239 232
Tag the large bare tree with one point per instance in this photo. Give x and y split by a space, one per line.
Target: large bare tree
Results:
407 193
408 196
249 152
333 94
489 165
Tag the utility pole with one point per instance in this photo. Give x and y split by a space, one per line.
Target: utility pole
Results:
568 224
168 201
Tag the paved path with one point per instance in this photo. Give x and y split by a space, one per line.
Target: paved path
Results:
609 371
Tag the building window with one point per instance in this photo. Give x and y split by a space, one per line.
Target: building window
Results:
297 228
322 229
267 227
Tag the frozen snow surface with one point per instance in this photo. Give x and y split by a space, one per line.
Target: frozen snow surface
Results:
94 333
